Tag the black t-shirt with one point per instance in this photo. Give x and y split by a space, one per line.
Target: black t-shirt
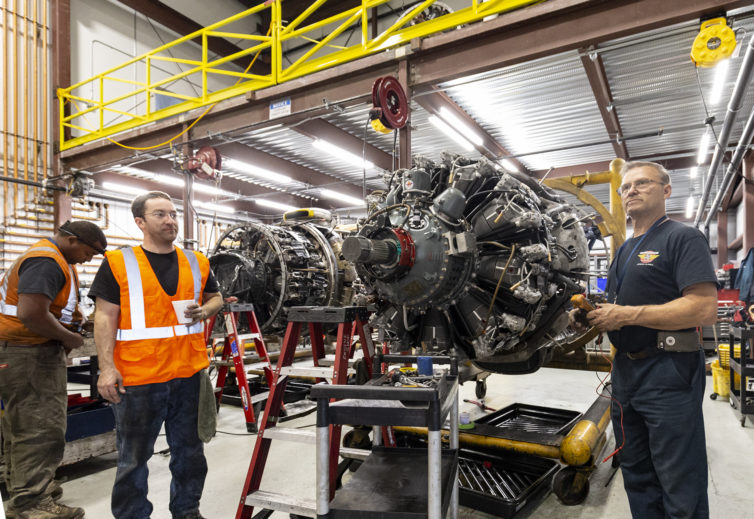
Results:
165 267
671 258
40 276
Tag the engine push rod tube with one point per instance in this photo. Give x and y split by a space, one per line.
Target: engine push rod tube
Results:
734 105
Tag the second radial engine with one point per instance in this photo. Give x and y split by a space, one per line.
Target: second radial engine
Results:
462 256
279 266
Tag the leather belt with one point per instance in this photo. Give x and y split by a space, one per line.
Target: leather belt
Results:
643 354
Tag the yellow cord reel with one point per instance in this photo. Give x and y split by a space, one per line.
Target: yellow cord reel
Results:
714 43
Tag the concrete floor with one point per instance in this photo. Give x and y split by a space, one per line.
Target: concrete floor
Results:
291 465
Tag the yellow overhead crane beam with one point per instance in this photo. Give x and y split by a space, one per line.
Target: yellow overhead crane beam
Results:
117 104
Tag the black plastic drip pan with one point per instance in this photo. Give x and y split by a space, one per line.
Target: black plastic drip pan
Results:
503 485
532 419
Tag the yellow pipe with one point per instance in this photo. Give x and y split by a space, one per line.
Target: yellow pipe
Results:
24 85
489 442
5 114
35 97
45 95
14 31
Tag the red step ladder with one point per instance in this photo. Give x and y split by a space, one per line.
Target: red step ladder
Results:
348 319
232 348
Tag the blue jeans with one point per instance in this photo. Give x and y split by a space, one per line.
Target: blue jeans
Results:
138 419
664 459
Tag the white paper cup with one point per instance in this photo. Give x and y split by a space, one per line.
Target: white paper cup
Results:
180 309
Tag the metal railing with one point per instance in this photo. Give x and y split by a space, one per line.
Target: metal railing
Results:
92 117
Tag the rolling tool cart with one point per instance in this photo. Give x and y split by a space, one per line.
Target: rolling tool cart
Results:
392 483
743 397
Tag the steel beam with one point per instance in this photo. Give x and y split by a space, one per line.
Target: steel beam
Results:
61 75
183 25
595 73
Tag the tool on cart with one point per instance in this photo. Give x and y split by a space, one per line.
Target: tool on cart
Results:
480 405
233 347
347 318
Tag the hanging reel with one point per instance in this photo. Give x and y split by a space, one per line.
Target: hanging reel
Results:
390 105
714 43
205 163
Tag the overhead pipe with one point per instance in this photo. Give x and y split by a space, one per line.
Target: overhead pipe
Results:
734 105
25 94
730 173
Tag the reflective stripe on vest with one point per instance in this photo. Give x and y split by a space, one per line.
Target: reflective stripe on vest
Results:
139 330
66 315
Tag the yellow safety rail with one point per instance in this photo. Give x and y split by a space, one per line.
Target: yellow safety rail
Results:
87 115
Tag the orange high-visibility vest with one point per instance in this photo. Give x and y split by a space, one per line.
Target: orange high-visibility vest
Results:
62 307
150 345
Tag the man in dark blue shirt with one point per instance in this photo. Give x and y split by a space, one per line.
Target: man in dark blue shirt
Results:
661 286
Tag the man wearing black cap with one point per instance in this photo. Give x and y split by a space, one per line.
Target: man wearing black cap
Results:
39 320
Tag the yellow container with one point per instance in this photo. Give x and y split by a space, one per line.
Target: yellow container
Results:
720 381
723 351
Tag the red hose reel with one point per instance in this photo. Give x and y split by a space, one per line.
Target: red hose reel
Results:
390 105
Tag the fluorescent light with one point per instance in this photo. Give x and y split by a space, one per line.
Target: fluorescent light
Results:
340 153
690 206
701 157
123 188
721 73
171 181
215 207
450 132
256 171
508 165
460 126
693 172
334 195
274 205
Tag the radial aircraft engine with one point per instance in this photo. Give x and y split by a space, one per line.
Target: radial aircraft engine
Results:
279 266
461 256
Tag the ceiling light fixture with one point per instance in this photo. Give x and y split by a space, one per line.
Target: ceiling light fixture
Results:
347 156
334 195
701 157
721 74
461 126
123 188
274 205
256 171
220 208
171 181
693 172
690 206
508 165
450 132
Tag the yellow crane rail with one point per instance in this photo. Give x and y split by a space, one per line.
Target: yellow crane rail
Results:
117 103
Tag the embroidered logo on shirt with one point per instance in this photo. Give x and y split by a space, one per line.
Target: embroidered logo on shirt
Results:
648 256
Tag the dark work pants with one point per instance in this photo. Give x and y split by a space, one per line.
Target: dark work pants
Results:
664 459
138 418
33 390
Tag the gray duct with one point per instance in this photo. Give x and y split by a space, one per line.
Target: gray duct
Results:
736 100
730 173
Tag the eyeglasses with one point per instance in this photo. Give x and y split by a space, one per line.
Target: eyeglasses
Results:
640 185
66 230
161 215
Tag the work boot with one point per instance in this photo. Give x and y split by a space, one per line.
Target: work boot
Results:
56 491
49 509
